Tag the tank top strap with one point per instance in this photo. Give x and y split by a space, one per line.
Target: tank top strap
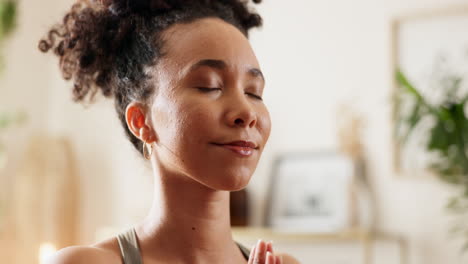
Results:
129 247
245 251
131 253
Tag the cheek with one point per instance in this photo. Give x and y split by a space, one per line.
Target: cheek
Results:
195 122
264 124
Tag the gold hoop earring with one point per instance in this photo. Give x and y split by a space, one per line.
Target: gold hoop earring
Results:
147 151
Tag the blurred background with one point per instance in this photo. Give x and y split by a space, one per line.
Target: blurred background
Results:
68 176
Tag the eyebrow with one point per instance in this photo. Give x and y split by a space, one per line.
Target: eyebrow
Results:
221 65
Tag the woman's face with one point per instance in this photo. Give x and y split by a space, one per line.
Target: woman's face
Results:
208 94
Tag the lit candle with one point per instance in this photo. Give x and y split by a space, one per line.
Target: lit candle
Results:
45 251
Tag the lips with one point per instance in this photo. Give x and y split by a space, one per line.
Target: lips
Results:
245 144
243 148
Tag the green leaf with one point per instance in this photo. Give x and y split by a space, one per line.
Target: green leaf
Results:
439 137
8 119
7 22
412 121
7 17
409 88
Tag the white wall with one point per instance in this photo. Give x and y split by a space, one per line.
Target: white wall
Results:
320 54
315 54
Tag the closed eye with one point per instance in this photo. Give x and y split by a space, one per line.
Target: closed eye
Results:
255 96
207 89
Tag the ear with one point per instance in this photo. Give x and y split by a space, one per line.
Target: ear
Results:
138 122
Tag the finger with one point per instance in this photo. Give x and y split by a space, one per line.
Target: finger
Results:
260 252
270 258
252 254
279 260
269 247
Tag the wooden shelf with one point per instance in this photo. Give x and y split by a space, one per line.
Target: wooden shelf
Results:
271 234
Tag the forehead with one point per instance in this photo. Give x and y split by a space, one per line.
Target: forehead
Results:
208 38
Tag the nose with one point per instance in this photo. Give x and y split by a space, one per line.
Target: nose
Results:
241 113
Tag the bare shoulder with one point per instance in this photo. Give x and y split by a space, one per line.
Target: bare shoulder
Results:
288 259
95 254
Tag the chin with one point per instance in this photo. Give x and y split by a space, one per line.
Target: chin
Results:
230 182
236 187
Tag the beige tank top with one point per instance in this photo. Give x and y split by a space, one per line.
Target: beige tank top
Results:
130 251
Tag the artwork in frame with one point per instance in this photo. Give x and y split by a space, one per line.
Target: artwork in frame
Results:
428 48
310 192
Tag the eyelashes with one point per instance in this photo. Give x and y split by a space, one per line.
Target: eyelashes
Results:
208 90
255 96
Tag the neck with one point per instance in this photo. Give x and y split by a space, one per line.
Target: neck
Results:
188 218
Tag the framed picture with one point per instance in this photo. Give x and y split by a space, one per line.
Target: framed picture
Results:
310 192
425 46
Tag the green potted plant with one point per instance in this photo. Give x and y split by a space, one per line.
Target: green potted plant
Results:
7 18
447 134
7 24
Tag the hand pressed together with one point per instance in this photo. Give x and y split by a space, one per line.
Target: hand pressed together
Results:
262 253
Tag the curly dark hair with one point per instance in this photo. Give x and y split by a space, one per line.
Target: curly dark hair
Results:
104 45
